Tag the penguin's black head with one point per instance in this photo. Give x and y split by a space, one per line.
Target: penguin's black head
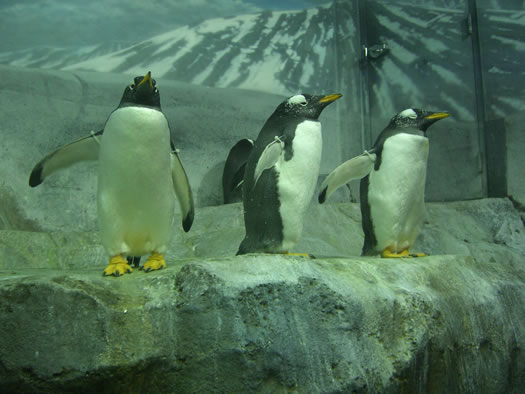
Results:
305 105
416 119
142 92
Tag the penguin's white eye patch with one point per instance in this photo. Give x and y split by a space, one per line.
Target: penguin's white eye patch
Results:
132 86
298 99
408 113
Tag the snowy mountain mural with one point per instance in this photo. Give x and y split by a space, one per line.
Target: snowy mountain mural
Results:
57 57
270 51
316 49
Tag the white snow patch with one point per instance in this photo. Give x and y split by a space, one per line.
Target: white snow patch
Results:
200 78
245 26
401 53
104 63
166 40
518 45
447 75
262 76
307 72
497 70
508 16
435 45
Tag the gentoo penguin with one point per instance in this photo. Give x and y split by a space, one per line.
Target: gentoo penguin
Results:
281 174
139 176
392 187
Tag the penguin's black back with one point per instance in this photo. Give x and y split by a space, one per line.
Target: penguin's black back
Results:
264 226
263 223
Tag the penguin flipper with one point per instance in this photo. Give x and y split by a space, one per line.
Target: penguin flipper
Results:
84 149
238 178
233 173
183 192
355 168
269 157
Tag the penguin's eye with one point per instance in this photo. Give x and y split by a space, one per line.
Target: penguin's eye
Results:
303 104
132 86
155 90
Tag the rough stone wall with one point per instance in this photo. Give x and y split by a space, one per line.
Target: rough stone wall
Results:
451 322
267 324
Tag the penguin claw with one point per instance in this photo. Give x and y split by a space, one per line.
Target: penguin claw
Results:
117 266
155 262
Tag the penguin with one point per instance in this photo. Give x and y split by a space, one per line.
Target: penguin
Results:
392 187
139 177
234 167
281 174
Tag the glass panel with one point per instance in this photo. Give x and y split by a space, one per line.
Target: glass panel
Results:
428 65
502 30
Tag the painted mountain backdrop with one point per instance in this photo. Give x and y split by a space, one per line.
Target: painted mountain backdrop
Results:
319 49
269 51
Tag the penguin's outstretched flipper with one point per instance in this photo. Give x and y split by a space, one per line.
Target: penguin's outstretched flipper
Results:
269 157
84 149
183 192
356 168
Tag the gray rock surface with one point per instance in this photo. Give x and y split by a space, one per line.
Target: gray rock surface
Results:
451 322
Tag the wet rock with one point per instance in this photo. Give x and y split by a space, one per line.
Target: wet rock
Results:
262 323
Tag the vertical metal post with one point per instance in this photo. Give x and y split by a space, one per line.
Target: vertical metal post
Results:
496 152
492 141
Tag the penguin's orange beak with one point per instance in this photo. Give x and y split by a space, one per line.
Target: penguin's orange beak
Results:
329 98
437 115
147 78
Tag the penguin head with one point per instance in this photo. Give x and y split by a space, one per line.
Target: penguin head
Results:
416 118
142 92
305 105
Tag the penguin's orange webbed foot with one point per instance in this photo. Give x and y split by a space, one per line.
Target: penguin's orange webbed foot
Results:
117 266
155 262
300 254
387 254
412 254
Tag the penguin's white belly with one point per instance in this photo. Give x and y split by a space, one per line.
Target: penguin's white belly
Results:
135 193
396 192
298 178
